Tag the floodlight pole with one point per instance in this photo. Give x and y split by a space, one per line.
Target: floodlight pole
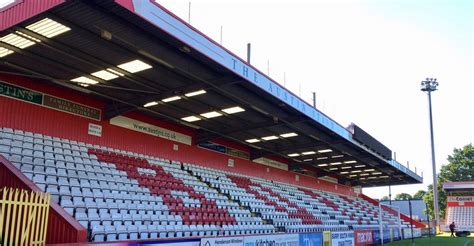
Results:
428 86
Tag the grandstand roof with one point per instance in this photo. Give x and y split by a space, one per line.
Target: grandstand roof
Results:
105 36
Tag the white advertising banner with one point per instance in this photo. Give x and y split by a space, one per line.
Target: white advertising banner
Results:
460 198
344 238
95 130
407 233
146 128
272 163
222 241
273 240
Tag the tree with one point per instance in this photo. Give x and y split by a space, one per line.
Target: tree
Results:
419 194
403 196
384 198
459 168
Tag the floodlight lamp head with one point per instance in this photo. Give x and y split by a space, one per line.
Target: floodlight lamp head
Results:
429 84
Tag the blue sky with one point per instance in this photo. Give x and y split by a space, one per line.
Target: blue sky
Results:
365 60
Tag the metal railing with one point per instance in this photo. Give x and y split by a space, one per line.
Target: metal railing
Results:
23 217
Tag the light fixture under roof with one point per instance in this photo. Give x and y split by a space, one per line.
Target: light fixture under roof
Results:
134 66
195 93
364 174
376 173
149 104
337 156
211 114
307 159
4 52
333 168
105 75
325 150
323 165
309 153
84 80
293 155
322 158
17 40
191 118
233 110
335 163
288 135
345 172
253 140
369 170
269 138
351 161
346 167
383 177
356 171
360 166
170 99
48 28
352 175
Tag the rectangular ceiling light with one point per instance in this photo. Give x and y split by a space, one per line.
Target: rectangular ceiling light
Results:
325 150
149 104
353 175
48 28
211 114
84 80
294 155
191 118
335 163
364 174
115 72
195 93
105 75
346 167
323 165
344 172
307 159
349 162
369 170
356 171
376 173
170 99
134 66
233 110
360 166
383 177
372 177
17 41
337 156
309 153
5 52
269 138
332 169
321 158
253 140
288 135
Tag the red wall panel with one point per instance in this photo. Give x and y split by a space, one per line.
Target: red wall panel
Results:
19 115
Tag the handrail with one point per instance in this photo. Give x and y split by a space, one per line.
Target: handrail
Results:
58 220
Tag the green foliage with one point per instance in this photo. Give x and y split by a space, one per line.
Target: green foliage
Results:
403 196
384 198
459 168
419 194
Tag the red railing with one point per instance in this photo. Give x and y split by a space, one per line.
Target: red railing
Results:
62 227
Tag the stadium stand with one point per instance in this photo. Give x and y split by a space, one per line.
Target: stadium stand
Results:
120 195
460 205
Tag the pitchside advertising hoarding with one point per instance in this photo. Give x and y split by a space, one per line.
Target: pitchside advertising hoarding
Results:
304 239
363 237
344 238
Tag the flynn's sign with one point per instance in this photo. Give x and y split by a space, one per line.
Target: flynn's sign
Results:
48 101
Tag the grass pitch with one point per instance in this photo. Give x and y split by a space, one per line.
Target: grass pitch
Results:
439 240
